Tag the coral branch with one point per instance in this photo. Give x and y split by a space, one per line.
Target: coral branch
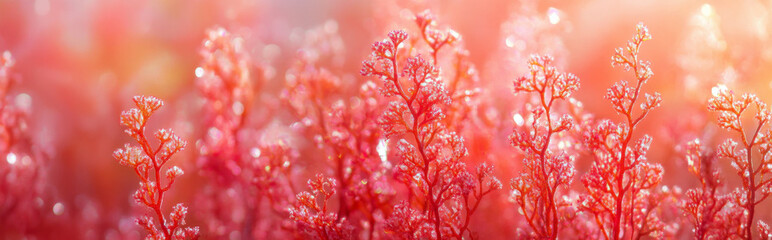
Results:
431 156
547 173
753 171
621 180
148 162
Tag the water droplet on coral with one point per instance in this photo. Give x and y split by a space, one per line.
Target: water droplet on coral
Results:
518 119
199 72
337 134
553 15
58 209
308 122
214 134
238 108
717 89
11 158
510 41
255 152
382 149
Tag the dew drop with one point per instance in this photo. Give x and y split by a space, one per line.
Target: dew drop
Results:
518 119
717 89
238 108
58 209
11 158
199 72
255 152
510 41
382 149
553 15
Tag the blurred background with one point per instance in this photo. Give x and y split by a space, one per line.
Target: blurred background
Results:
79 62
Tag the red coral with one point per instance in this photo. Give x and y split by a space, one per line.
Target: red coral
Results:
753 171
547 171
23 174
434 38
228 80
316 221
344 126
408 223
148 163
461 75
431 164
224 78
710 211
621 179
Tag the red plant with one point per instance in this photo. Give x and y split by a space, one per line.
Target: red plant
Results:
711 213
434 38
314 220
224 80
431 165
621 180
148 163
273 176
755 172
462 75
22 170
228 85
348 133
547 173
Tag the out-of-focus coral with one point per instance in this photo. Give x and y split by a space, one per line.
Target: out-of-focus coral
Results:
709 210
254 173
225 82
341 121
24 197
